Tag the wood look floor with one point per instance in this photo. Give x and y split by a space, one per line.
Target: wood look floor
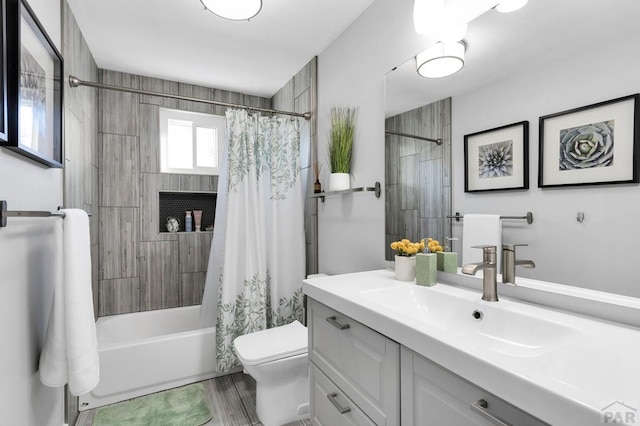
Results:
232 402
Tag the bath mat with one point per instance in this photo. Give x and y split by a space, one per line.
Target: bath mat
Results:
185 406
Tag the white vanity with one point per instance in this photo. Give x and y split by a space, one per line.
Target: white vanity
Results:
389 353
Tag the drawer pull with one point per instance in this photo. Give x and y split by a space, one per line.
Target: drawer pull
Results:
480 407
333 398
334 322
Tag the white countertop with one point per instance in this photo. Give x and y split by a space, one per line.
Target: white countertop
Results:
596 364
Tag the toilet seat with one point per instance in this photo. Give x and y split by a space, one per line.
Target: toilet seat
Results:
272 344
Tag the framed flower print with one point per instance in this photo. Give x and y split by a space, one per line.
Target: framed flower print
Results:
497 159
591 145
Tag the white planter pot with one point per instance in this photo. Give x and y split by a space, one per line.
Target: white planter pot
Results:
339 181
405 268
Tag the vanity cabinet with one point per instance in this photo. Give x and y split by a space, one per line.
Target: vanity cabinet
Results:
432 395
361 377
352 367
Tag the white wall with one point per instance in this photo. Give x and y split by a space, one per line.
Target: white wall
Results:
351 72
599 252
27 253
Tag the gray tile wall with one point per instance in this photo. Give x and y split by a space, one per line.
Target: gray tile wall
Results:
81 164
299 95
140 268
418 175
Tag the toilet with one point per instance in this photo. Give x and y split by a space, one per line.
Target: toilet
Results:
277 359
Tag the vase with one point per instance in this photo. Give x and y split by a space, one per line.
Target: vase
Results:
426 269
405 268
448 261
339 181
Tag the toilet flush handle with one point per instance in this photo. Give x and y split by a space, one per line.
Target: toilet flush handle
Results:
334 322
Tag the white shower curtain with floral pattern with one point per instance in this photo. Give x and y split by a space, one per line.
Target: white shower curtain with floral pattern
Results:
257 260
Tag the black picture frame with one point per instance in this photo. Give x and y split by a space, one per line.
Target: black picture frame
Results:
497 159
3 73
34 87
591 145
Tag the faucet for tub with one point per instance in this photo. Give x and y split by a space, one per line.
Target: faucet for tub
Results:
509 263
488 266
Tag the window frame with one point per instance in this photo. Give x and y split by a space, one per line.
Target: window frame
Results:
197 119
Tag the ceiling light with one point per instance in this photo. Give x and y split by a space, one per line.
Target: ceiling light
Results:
441 60
235 10
506 6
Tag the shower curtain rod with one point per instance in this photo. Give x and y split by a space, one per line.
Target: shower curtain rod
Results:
75 82
406 135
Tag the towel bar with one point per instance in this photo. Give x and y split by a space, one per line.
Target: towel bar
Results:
528 217
4 213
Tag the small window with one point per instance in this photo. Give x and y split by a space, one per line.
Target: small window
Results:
190 142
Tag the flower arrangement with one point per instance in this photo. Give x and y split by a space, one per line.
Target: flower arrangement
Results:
434 246
407 248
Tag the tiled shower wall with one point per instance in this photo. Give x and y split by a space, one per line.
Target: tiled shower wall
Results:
299 95
140 268
81 134
80 146
418 175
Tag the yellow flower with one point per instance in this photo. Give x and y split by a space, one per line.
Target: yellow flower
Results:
394 245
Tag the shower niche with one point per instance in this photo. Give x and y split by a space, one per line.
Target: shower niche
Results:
177 203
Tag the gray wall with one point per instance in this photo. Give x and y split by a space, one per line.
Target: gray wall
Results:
140 268
299 95
418 175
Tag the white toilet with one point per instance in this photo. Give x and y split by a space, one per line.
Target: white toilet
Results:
277 359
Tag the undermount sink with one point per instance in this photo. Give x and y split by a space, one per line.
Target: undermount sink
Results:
508 328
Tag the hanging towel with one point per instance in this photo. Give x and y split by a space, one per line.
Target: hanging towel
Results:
70 353
480 230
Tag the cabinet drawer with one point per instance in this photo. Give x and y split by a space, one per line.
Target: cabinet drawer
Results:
330 406
435 396
362 362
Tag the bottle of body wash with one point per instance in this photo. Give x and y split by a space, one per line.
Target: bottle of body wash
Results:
197 219
187 221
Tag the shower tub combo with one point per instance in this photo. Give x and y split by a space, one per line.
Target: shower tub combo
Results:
145 352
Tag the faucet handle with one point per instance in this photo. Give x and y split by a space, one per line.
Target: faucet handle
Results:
488 253
485 247
512 247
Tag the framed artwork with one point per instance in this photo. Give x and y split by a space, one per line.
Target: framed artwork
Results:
497 159
591 145
34 87
3 73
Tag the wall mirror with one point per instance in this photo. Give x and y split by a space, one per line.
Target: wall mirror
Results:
418 174
539 44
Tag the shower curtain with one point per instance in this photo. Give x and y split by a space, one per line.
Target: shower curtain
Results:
257 259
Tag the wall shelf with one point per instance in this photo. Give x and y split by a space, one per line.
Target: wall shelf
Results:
375 189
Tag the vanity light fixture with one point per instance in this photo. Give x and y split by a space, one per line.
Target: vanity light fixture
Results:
235 10
506 6
441 60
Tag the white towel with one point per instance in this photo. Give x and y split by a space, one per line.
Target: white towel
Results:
70 353
480 230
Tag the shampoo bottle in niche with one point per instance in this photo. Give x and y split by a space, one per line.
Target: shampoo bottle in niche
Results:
187 221
197 219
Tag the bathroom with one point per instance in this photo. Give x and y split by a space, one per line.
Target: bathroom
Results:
592 254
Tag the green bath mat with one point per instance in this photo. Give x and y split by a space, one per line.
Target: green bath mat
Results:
185 406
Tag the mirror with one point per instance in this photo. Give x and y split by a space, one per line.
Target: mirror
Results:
418 175
546 58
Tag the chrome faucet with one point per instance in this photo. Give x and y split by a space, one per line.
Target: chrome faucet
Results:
509 263
488 266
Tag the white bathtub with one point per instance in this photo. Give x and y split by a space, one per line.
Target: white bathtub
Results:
146 352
